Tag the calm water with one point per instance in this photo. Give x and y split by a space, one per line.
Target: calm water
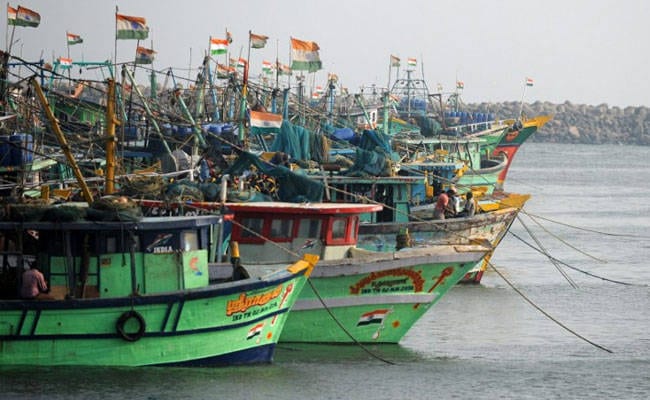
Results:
478 342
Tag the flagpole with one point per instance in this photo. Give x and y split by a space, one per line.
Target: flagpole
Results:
67 45
521 105
7 30
248 57
115 39
277 63
390 69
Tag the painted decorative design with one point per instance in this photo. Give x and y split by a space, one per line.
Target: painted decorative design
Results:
245 302
394 280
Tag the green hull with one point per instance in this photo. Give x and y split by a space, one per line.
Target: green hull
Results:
202 327
157 304
375 301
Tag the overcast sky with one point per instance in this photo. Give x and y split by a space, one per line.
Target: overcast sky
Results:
583 51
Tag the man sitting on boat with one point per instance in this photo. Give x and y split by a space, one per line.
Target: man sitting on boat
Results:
33 284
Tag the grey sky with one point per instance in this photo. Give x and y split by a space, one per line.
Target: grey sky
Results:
587 52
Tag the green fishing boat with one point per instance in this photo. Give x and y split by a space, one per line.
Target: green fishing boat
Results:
354 295
135 293
519 132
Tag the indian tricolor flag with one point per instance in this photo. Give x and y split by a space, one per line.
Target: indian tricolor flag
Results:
258 41
255 331
223 71
263 122
529 81
460 85
129 27
22 16
412 62
394 61
218 46
373 317
73 39
144 55
283 69
65 63
267 67
305 56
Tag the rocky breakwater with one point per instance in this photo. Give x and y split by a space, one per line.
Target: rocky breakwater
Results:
580 123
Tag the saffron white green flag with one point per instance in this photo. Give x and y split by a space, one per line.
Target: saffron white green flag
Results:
305 56
258 41
73 39
263 122
22 16
218 46
129 27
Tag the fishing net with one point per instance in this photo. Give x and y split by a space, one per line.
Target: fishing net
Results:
114 208
26 212
64 213
293 140
146 187
291 187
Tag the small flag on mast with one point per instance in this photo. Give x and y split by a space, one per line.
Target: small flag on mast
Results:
394 61
258 41
65 63
305 56
218 46
460 85
22 16
144 55
73 39
129 27
529 81
412 62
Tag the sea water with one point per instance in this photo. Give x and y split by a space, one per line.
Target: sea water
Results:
540 328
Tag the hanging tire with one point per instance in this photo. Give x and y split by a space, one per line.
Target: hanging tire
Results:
124 318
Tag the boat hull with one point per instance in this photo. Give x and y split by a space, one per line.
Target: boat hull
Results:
377 300
489 227
231 323
511 142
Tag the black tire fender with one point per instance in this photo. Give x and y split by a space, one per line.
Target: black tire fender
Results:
124 318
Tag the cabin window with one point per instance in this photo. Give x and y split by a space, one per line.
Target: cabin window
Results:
338 228
189 241
309 228
251 227
281 228
353 228
111 245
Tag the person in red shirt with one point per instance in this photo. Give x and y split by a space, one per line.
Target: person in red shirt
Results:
441 206
33 284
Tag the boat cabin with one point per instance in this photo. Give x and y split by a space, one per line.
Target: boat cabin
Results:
97 259
278 232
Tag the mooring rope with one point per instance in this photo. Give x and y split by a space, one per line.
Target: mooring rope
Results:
564 241
547 315
589 230
547 254
575 268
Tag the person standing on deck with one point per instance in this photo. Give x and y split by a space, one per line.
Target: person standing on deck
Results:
470 206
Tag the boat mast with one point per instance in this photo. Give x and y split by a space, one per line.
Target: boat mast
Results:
111 121
62 141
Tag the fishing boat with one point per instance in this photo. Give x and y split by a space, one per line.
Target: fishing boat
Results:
137 293
354 295
517 135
